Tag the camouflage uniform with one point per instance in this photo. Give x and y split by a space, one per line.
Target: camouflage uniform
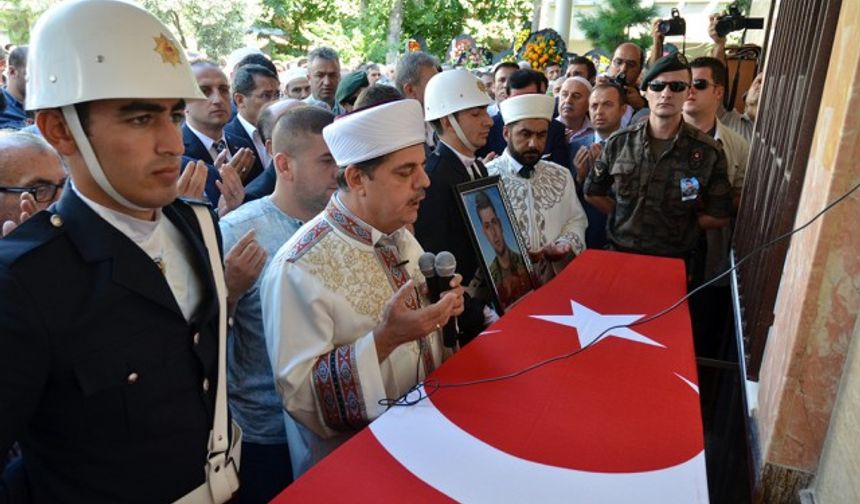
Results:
650 216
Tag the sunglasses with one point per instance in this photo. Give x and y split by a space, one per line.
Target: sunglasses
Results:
702 84
674 86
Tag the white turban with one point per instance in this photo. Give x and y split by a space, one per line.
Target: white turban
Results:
295 73
527 106
583 81
375 131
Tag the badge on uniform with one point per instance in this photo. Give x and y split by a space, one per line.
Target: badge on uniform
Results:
689 188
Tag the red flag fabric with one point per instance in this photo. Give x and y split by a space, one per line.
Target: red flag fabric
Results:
617 422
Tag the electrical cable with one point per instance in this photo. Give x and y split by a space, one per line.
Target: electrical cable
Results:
432 386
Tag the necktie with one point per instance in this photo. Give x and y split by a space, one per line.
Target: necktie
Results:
477 170
217 148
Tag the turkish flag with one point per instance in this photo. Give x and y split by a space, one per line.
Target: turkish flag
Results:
617 421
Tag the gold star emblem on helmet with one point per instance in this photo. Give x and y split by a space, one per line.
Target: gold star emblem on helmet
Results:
168 51
481 87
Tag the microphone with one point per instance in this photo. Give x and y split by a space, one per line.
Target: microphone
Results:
445 265
427 265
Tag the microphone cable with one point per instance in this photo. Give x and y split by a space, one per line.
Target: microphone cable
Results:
415 394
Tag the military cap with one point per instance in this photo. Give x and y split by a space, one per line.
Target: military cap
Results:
669 63
350 84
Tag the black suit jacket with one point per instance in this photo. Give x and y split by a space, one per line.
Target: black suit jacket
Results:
195 150
556 149
235 129
440 226
263 185
101 376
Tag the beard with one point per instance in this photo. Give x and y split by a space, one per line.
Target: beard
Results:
528 157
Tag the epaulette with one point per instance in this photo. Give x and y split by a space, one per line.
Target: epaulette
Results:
38 230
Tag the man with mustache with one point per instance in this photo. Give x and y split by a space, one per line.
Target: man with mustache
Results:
542 194
652 166
324 76
344 314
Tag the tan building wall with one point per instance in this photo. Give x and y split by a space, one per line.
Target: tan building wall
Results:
836 481
816 313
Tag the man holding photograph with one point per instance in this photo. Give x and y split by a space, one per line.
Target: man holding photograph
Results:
542 194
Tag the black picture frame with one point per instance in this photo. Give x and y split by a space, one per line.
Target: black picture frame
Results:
507 286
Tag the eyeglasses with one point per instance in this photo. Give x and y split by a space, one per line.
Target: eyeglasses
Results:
674 86
269 95
42 193
703 84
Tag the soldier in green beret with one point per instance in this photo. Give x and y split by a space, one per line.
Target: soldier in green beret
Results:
661 181
349 88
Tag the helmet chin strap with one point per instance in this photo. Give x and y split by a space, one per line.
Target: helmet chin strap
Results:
460 135
93 165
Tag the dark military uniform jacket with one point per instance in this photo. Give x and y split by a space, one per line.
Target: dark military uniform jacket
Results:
107 387
657 201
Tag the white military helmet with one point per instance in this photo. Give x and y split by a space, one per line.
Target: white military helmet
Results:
87 50
450 92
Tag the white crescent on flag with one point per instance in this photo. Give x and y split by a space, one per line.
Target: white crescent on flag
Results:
467 469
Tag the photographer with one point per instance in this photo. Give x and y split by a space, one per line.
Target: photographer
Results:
719 49
624 70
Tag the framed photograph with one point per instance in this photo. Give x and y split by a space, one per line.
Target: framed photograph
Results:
503 257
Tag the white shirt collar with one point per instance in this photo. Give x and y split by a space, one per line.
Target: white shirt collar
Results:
466 160
204 138
142 232
250 128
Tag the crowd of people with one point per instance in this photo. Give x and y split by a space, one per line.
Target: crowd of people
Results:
186 242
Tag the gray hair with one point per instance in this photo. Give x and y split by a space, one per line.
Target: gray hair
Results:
326 53
409 68
14 139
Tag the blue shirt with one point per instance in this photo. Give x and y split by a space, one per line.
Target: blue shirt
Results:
13 116
254 402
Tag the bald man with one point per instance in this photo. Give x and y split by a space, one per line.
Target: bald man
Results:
628 60
305 181
30 172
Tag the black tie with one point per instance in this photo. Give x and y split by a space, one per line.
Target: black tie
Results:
482 170
526 171
219 146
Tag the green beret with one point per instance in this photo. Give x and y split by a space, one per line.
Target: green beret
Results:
669 63
349 84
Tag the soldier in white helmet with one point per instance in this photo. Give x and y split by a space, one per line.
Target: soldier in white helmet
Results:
455 105
114 309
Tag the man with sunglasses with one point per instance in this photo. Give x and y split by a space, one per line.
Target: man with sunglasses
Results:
30 170
669 179
710 308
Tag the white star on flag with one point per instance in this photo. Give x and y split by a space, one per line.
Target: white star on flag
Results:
589 324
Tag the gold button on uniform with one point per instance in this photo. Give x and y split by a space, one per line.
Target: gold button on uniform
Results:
56 220
205 384
132 378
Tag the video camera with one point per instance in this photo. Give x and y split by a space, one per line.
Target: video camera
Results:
733 20
674 25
